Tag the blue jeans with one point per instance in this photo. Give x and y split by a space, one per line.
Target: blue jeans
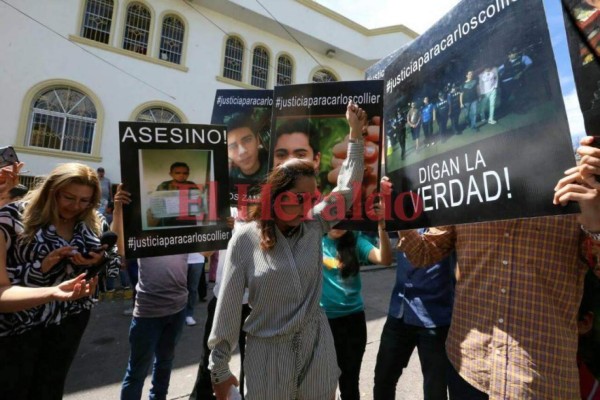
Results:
151 338
398 341
194 276
472 114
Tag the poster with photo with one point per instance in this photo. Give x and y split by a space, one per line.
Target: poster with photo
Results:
177 176
309 122
582 21
477 118
246 114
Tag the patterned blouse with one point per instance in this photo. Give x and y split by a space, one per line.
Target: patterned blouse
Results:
24 262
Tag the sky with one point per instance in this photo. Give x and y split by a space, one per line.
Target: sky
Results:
416 15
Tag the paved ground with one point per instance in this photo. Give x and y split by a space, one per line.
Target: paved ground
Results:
102 358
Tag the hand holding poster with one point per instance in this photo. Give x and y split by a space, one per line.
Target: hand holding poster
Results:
309 122
174 173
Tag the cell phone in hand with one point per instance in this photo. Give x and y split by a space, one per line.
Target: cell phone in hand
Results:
95 270
8 156
97 249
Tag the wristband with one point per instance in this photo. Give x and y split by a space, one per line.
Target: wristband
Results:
592 235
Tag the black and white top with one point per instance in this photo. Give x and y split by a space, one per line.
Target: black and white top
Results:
24 263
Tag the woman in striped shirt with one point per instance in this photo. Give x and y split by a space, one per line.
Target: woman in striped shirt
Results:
45 238
289 348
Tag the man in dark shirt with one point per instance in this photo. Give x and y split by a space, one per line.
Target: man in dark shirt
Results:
468 99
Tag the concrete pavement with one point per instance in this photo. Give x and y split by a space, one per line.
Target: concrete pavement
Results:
100 363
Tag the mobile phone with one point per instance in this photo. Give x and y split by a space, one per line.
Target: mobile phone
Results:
97 249
95 270
8 156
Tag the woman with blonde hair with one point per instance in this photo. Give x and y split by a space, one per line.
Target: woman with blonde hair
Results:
45 239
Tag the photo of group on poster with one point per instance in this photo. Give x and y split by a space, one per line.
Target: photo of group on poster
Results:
246 114
468 111
309 122
177 174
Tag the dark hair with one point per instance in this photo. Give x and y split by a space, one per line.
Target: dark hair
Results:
303 126
100 169
178 164
240 120
280 180
346 254
110 204
17 191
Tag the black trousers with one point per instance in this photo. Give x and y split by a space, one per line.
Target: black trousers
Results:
203 386
350 338
34 365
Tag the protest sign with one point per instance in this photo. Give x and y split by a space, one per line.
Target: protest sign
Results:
475 116
247 117
309 122
177 174
582 21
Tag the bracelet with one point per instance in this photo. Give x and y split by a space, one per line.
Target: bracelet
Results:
355 140
592 235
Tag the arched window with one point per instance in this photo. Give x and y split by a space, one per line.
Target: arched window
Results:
323 75
171 39
97 20
158 114
260 67
284 70
64 119
137 28
234 56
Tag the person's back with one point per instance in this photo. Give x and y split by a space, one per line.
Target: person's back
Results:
158 317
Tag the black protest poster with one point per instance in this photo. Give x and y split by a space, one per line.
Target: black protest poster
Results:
177 176
582 21
476 119
246 115
312 117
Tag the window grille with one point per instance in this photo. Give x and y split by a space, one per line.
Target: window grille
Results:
97 20
63 119
171 39
234 55
284 70
260 67
323 75
158 114
137 29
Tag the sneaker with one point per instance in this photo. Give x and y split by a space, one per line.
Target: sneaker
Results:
128 311
492 121
190 321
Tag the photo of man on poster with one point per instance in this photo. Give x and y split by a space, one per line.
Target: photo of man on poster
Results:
182 200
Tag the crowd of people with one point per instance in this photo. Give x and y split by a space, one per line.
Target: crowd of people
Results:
494 309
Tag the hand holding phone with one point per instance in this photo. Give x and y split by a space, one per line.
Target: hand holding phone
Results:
8 156
107 241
